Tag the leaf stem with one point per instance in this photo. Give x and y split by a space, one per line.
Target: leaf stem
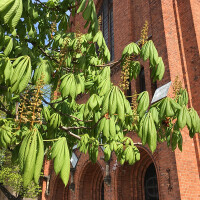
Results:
50 140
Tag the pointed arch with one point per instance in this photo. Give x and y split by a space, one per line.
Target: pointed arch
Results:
91 180
134 176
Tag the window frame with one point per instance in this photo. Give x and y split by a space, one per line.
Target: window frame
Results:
109 39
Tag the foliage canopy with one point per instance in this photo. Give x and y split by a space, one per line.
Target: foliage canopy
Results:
37 49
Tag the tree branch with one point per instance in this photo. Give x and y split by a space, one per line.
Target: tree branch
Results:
79 138
56 7
137 143
84 127
3 88
70 133
75 127
8 194
112 64
42 3
47 55
52 103
3 108
35 44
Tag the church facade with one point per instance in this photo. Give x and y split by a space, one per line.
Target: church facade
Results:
164 175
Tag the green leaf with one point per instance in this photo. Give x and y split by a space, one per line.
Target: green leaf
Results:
30 161
65 171
21 74
174 140
39 159
180 141
134 69
60 153
131 48
9 43
145 51
43 72
14 21
4 4
87 11
82 6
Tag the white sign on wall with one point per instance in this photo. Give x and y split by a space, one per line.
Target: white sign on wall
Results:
161 92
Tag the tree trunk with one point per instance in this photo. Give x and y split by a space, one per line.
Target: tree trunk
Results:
8 194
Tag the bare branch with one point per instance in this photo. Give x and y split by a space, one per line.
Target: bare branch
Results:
52 103
75 127
47 55
138 143
70 133
79 138
112 64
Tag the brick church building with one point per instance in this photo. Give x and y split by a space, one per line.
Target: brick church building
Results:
174 27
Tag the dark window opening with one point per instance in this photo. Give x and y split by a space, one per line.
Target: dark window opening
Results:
102 191
129 93
153 85
142 80
150 184
106 13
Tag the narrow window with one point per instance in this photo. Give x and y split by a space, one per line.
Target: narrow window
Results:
153 84
142 80
106 13
153 87
129 93
102 191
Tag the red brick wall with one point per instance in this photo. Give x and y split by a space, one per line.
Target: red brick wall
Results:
183 60
175 30
126 181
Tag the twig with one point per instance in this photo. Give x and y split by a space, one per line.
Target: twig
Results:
75 127
47 55
79 138
138 143
52 103
35 44
3 108
112 64
50 140
42 4
70 133
83 127
56 7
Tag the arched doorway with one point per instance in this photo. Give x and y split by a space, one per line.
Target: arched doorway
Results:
134 181
91 183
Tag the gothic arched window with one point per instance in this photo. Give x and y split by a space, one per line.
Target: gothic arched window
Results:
150 184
